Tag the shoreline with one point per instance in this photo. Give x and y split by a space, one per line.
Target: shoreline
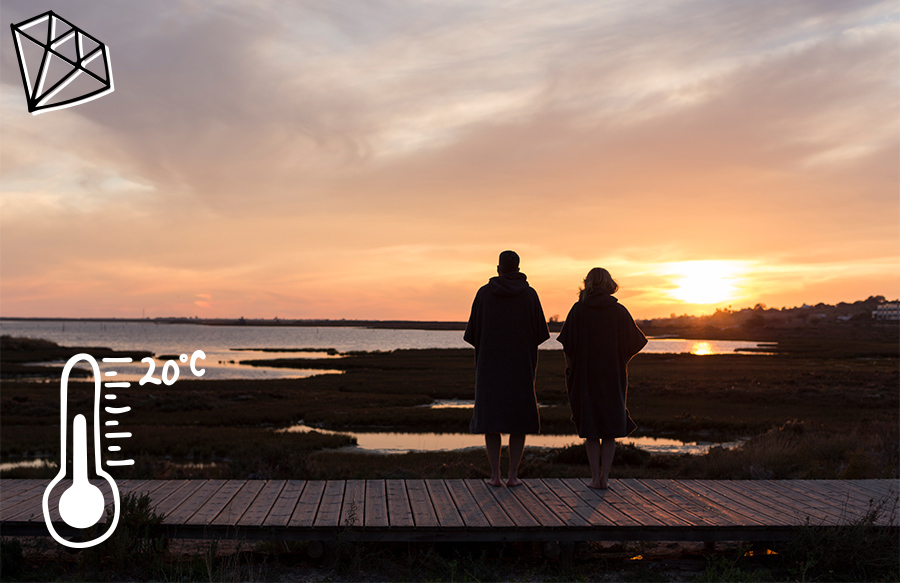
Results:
871 330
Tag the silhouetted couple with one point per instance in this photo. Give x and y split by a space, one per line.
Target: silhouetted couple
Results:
599 337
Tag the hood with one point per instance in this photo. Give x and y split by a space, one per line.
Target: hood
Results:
508 284
598 299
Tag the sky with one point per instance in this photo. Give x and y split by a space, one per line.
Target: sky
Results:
371 159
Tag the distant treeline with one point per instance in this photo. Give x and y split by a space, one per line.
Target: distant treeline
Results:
850 320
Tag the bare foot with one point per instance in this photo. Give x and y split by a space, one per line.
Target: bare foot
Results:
496 482
512 482
599 486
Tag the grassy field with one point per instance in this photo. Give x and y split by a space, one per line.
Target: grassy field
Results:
815 409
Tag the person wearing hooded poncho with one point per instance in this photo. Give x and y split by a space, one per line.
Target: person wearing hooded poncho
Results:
505 327
599 337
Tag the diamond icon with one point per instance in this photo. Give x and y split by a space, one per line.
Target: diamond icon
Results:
61 64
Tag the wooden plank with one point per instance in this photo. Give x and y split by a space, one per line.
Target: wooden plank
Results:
26 498
851 493
876 490
850 501
28 489
817 511
472 507
596 499
193 502
886 488
354 507
161 498
772 508
692 503
130 486
285 502
329 513
32 509
239 503
139 488
423 512
723 504
836 496
483 496
676 516
308 504
35 512
259 508
216 503
886 501
742 500
719 504
593 516
544 516
625 502
399 510
796 505
376 505
468 509
444 507
514 508
15 487
552 502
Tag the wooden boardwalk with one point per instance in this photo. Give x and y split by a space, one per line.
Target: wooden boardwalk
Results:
466 510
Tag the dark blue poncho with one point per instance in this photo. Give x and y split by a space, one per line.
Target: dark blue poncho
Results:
506 326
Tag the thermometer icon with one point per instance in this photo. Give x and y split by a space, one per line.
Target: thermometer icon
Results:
81 504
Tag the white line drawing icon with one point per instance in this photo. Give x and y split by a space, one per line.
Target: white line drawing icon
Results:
82 504
61 64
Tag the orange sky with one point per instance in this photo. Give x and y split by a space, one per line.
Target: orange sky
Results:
305 160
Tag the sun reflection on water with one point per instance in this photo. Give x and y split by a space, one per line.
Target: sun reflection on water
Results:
701 348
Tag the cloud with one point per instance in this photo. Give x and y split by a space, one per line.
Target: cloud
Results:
279 150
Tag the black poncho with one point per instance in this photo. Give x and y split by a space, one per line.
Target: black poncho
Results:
506 326
600 337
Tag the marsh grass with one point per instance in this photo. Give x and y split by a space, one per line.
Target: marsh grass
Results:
164 452
847 408
793 451
864 550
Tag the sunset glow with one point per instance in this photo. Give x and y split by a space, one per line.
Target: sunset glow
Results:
705 282
371 160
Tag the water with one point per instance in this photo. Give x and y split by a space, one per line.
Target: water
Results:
398 443
170 339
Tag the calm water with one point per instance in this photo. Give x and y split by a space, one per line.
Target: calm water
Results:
164 339
394 443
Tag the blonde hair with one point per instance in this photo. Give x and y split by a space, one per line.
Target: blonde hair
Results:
598 279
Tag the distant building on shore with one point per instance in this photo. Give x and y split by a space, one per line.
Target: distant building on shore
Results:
887 311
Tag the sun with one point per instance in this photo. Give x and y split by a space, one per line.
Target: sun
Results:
705 282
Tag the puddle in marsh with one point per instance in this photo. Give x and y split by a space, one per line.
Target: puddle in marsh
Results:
391 442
